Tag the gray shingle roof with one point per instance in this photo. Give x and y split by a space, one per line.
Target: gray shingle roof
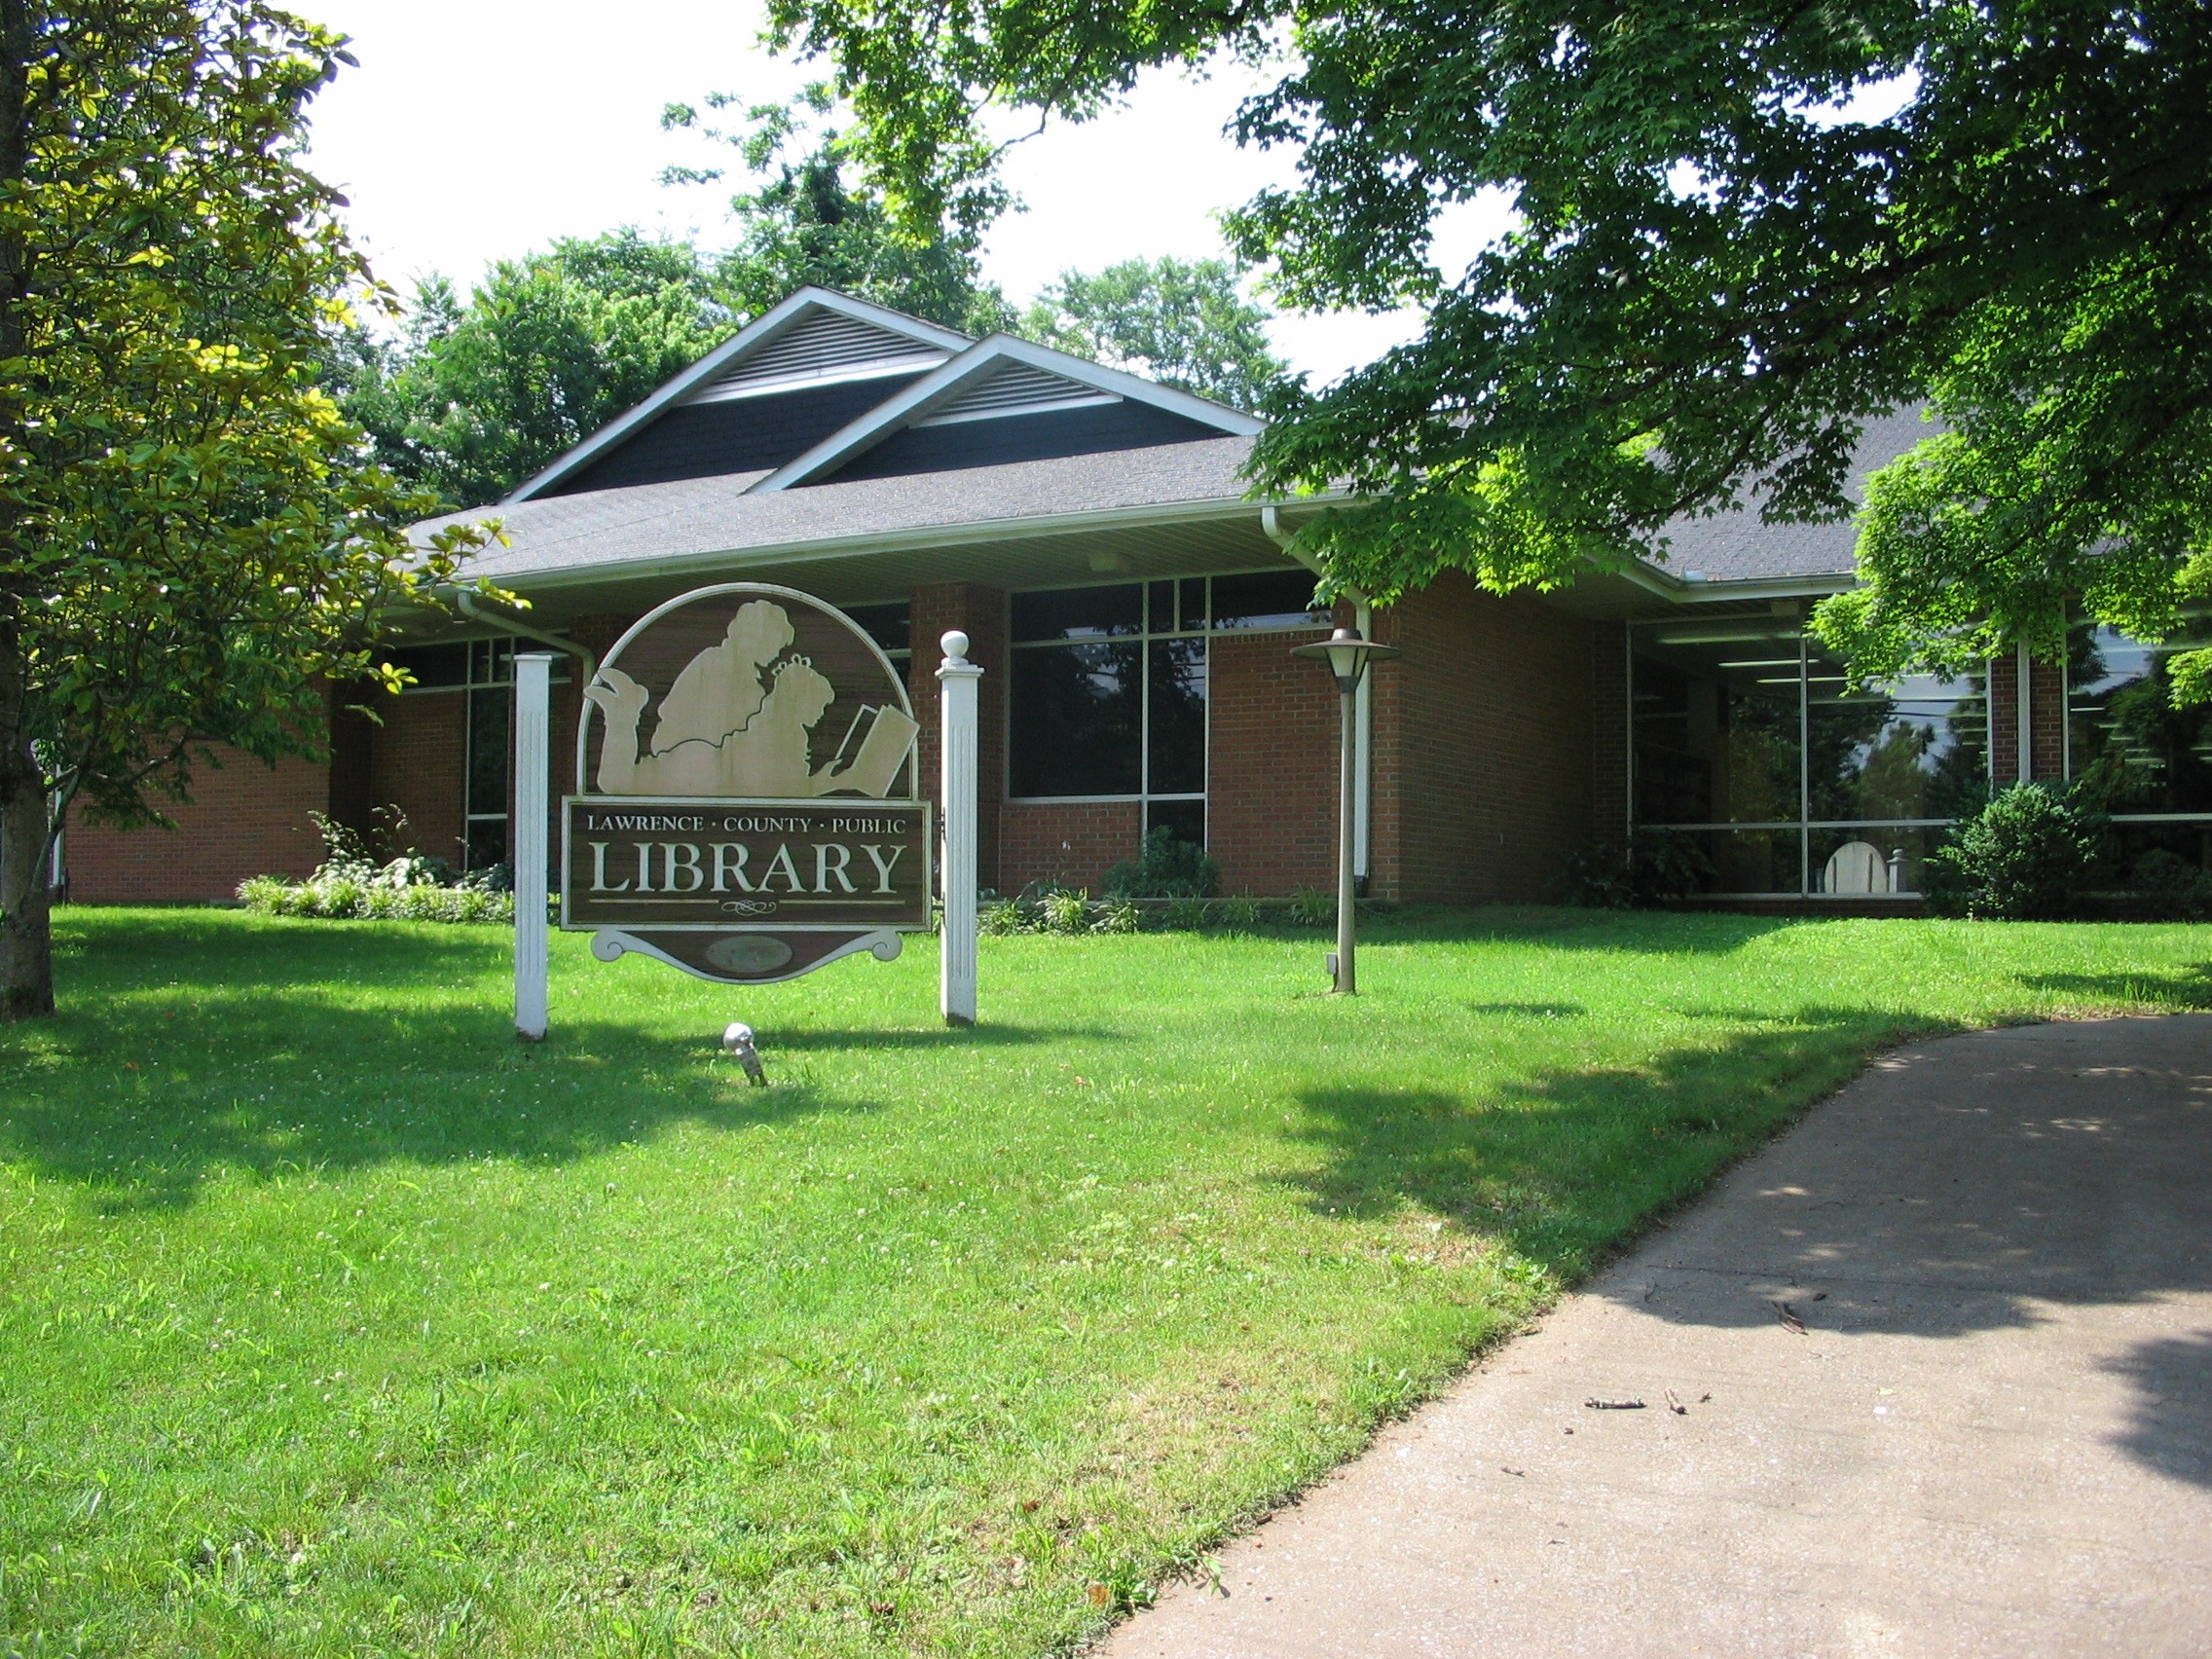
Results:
1735 546
606 528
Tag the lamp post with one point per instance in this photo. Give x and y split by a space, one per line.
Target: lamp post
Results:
1347 656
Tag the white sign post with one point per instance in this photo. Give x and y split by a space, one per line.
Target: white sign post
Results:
957 738
533 807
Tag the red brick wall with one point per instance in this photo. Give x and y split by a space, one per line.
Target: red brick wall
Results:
2046 719
417 762
1496 755
1074 843
981 612
244 818
1272 778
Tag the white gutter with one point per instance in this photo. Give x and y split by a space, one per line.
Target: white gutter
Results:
1363 706
466 602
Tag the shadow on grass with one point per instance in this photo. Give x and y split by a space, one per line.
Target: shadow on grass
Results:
163 1069
1968 1190
2189 988
1565 927
1562 1165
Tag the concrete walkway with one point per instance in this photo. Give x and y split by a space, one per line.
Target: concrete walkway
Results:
1991 1434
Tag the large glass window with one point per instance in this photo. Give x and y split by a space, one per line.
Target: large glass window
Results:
2127 743
1753 746
1109 687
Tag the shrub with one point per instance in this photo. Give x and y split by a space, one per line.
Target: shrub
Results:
1000 919
1165 868
2171 885
1239 914
350 883
1065 910
1115 916
1311 907
2022 857
1652 866
1185 913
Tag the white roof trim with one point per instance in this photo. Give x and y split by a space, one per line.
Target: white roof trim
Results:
880 369
980 358
762 331
1075 400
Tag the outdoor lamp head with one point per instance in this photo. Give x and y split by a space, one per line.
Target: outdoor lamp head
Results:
1347 654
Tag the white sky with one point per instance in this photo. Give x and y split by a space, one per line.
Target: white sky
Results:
478 129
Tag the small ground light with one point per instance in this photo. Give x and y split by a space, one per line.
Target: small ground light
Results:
737 1038
1347 656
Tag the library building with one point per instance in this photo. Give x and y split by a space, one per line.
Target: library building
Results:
1135 612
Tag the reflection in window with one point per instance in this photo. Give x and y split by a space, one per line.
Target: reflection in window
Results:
1268 599
1077 721
1716 726
1175 717
890 626
1918 748
1735 722
2129 746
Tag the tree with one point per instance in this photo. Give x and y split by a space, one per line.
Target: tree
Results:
1720 266
471 399
1182 323
190 546
805 222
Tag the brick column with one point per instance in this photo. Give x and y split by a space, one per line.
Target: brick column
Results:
979 612
1608 731
2046 719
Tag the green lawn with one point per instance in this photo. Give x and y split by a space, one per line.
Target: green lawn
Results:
334 1321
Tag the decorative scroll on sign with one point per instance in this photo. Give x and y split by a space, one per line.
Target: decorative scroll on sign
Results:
746 806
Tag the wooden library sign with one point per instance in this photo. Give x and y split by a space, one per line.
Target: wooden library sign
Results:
747 807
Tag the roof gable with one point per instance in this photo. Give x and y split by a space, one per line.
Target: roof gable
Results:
998 378
814 338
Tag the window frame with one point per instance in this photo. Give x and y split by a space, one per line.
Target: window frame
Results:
1804 825
1144 637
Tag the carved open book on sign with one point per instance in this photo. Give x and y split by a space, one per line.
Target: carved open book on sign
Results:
747 805
875 763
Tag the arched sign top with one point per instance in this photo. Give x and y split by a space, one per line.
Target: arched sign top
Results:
747 692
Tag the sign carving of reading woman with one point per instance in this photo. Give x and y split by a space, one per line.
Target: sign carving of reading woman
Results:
710 731
739 720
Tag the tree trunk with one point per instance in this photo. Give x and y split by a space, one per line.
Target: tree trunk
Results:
26 937
26 933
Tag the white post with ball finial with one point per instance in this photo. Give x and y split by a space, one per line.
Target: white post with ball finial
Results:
957 744
533 673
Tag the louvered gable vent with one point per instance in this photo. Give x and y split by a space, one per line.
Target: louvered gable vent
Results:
827 345
1014 389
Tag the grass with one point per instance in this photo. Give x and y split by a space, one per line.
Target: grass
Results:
334 1321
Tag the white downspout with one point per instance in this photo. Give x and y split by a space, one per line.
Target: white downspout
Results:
466 602
1363 707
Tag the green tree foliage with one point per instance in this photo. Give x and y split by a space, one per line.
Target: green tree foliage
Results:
190 547
471 399
1717 270
1182 323
804 221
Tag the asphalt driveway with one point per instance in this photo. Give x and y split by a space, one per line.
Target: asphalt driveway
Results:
1931 1375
